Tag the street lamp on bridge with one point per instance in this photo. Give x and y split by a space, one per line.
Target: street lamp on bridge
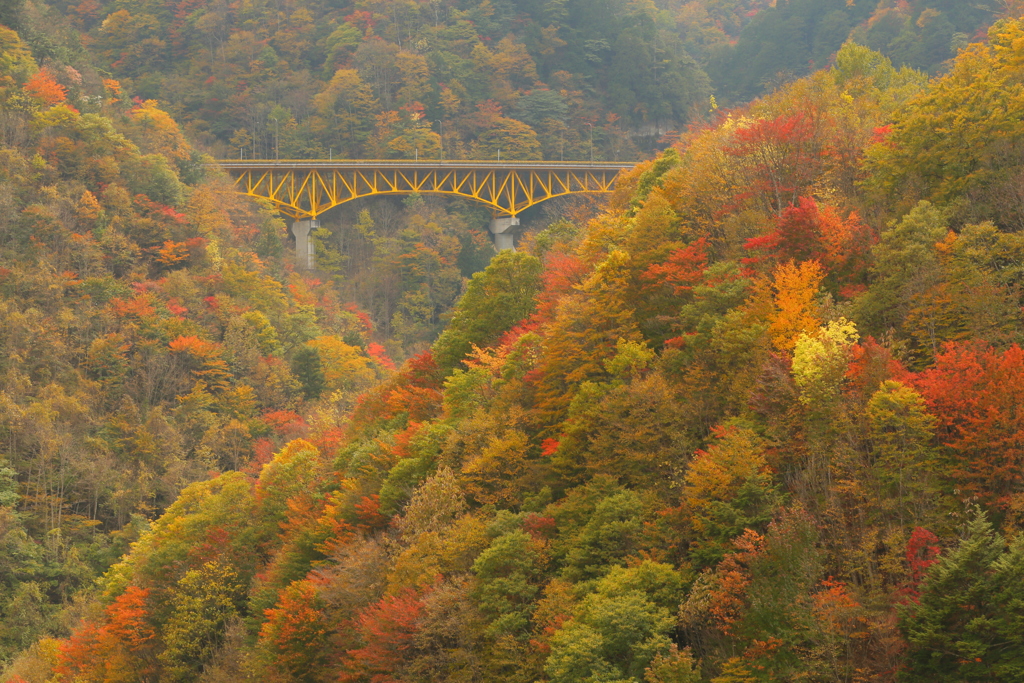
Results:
440 136
277 146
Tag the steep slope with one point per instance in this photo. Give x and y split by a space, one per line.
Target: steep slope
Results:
152 332
381 80
794 37
394 79
688 459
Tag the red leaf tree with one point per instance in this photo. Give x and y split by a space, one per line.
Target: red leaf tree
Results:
806 231
781 158
121 649
388 629
977 393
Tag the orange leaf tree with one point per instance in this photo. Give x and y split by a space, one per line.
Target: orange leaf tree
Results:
44 87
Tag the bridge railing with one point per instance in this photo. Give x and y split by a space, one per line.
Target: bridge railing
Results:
234 164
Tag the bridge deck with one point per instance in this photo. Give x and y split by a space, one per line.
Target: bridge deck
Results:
423 164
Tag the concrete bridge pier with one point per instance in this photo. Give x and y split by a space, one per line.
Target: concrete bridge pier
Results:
305 255
503 230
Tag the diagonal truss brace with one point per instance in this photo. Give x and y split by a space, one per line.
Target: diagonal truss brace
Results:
304 190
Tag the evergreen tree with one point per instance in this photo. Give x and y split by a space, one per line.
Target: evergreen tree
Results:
968 624
307 368
495 300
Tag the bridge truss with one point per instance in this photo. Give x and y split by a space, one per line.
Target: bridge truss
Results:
306 189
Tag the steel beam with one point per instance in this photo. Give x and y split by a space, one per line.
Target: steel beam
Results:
306 189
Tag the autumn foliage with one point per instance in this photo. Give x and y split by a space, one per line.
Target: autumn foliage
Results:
756 418
976 392
44 87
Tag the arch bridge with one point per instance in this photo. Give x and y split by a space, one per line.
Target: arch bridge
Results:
304 190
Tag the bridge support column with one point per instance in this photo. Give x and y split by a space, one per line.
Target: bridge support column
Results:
304 252
503 230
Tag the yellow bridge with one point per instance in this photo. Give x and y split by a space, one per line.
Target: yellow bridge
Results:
306 189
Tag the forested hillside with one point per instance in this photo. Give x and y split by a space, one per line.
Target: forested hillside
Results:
398 78
795 37
151 334
755 418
